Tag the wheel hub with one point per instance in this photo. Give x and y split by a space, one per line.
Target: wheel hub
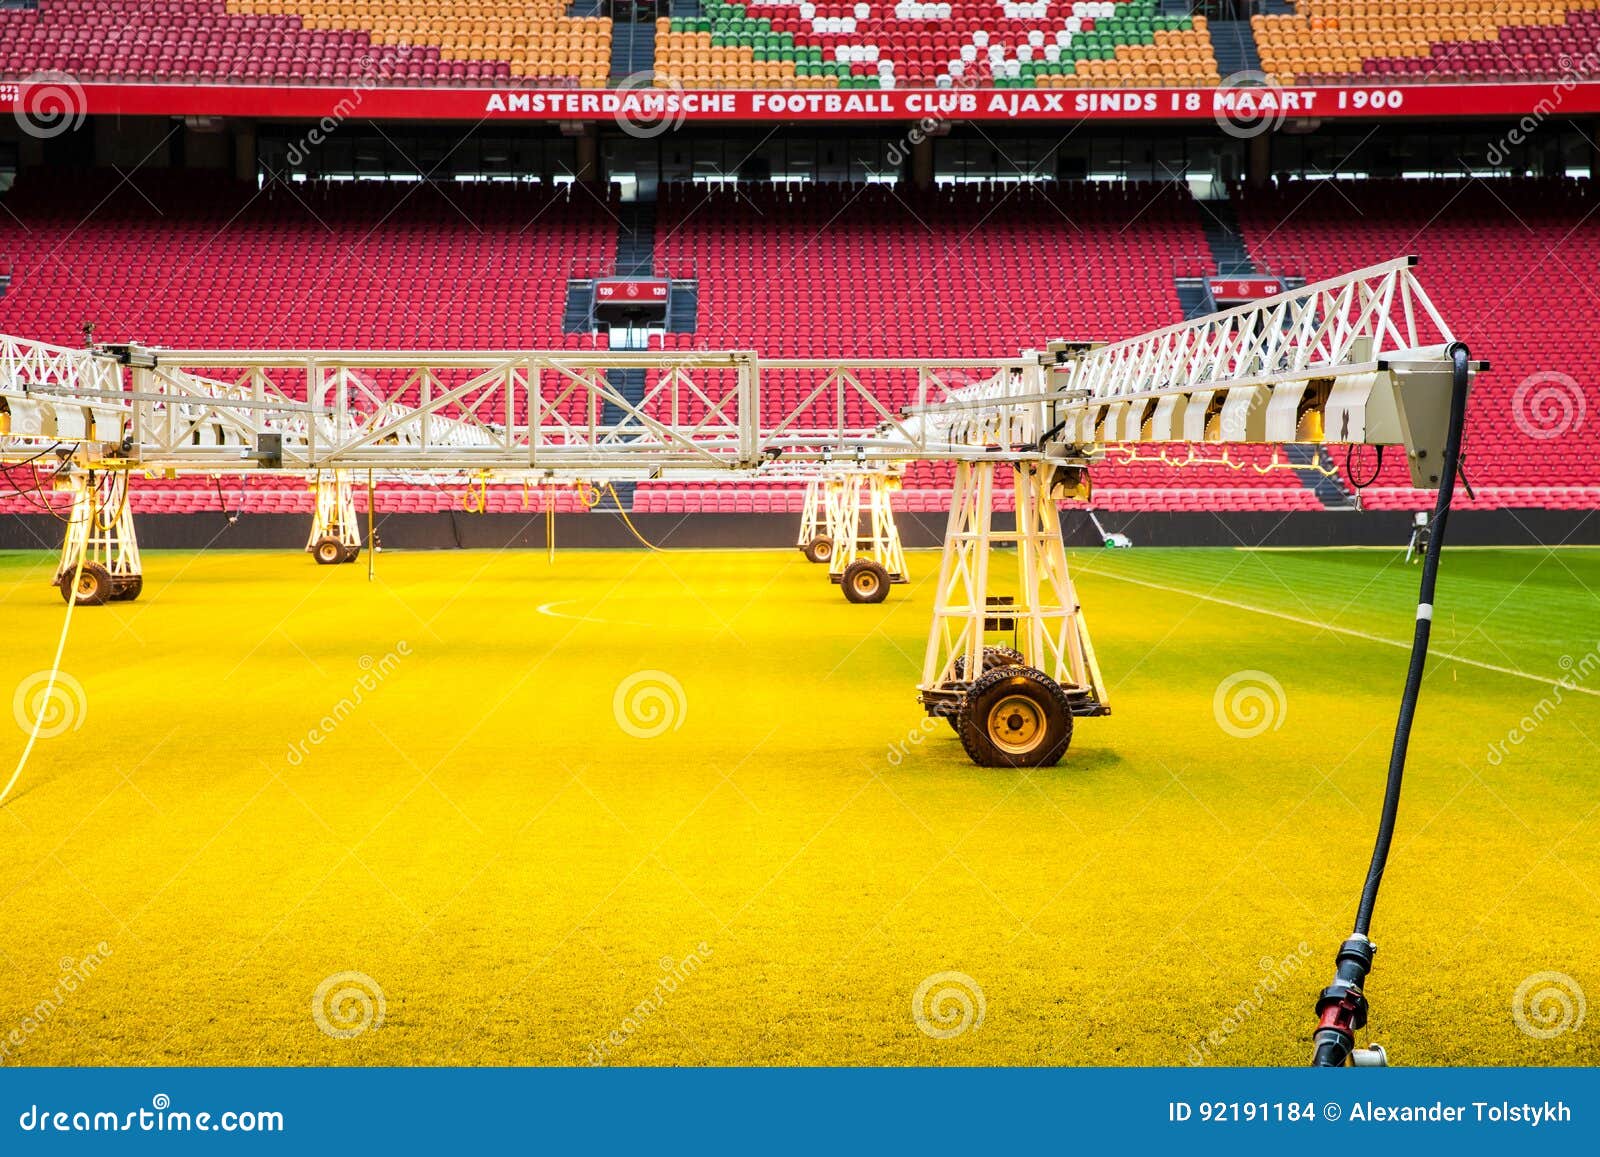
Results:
1016 724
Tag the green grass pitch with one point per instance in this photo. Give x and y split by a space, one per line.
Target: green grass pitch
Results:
683 808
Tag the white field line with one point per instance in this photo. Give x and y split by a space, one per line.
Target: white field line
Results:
549 609
1433 653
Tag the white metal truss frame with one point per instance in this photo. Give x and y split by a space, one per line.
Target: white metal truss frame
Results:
1359 358
509 412
100 527
1343 325
858 497
813 511
1364 356
334 512
1041 618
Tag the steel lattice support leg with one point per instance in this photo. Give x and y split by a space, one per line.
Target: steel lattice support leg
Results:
1051 632
1009 670
885 534
335 529
867 555
844 524
100 547
816 522
808 513
955 640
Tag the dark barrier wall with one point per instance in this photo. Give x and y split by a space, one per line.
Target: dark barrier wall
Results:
451 530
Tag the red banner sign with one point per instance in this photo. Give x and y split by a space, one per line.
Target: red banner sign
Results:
620 290
1241 110
1236 289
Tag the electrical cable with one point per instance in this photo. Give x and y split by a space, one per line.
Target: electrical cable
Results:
1342 1007
37 498
222 499
30 495
50 685
628 522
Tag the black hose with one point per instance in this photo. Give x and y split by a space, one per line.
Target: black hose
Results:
1342 1007
1350 471
1419 640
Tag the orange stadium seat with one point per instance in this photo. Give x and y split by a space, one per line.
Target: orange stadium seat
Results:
1399 41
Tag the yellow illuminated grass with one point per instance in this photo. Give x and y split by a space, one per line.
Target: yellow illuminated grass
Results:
517 873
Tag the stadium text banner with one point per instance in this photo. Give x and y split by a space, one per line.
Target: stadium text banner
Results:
1194 1111
1246 109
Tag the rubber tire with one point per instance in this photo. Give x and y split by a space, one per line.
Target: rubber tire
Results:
128 589
865 581
993 659
819 549
94 583
995 687
328 551
351 553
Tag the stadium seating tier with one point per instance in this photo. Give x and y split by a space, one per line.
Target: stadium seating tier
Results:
186 259
786 44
